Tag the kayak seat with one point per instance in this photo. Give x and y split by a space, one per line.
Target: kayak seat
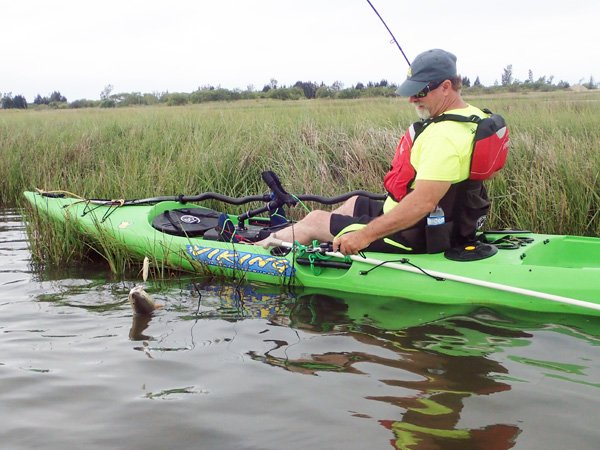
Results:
190 222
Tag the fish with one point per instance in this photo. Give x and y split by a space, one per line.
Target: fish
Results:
141 302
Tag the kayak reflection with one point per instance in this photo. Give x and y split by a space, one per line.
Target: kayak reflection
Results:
445 352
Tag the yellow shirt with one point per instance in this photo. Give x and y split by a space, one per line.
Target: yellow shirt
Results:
442 152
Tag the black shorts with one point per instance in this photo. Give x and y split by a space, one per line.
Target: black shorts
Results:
365 210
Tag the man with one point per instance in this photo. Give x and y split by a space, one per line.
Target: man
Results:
433 170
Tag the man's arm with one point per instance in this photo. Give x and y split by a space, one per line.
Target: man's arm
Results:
412 208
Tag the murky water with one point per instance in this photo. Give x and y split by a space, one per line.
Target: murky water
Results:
249 367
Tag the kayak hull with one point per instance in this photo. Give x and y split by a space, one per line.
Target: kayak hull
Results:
556 265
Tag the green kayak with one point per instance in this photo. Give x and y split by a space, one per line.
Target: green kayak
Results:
536 272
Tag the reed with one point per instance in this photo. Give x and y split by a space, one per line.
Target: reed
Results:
550 184
52 243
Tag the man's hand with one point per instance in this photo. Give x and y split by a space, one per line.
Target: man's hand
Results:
351 243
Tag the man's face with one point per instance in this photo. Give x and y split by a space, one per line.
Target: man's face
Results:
427 106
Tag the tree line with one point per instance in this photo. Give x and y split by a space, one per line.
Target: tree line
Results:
272 90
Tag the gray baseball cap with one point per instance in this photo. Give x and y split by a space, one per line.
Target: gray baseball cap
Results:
433 65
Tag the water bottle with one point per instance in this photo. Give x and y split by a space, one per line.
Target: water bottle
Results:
436 217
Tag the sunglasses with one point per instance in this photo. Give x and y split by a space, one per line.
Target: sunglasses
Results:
427 89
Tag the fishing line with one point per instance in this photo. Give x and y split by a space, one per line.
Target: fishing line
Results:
389 31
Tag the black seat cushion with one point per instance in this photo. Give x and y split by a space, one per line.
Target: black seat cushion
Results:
189 222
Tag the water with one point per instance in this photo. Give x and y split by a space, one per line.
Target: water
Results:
221 367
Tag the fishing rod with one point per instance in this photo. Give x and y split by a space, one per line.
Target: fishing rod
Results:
389 31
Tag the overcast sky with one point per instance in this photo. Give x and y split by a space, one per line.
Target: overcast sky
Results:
79 46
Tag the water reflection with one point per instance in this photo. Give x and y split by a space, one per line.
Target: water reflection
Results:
433 360
138 326
447 358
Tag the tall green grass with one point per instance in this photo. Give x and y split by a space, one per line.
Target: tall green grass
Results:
550 184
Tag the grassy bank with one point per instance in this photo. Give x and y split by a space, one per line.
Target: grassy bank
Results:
551 182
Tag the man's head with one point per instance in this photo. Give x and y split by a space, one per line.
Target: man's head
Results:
432 66
432 84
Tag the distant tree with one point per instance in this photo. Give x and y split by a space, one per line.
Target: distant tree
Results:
151 99
108 103
56 97
249 94
507 75
177 99
466 82
359 86
6 102
375 91
591 84
348 93
9 102
324 92
130 99
39 100
309 88
83 103
214 95
477 82
293 93
105 94
530 77
19 102
337 86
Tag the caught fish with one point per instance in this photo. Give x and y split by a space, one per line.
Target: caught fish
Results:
141 302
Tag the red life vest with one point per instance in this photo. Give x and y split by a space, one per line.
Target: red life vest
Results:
490 148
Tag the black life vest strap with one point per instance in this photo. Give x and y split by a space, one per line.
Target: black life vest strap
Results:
457 118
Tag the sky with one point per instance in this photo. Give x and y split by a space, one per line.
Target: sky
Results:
78 47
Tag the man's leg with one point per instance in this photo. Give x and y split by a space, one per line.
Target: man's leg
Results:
315 225
346 208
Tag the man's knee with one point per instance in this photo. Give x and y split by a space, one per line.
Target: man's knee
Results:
317 218
347 208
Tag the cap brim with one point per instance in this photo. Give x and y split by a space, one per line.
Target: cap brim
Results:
410 88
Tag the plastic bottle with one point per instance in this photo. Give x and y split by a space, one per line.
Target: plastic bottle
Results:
436 217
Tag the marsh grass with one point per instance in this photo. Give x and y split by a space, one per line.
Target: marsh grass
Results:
550 183
53 243
60 244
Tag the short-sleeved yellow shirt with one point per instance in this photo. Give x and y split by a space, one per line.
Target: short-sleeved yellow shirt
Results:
442 152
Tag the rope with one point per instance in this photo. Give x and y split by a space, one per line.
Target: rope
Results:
45 193
401 261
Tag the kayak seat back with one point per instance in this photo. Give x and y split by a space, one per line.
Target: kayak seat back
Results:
190 222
